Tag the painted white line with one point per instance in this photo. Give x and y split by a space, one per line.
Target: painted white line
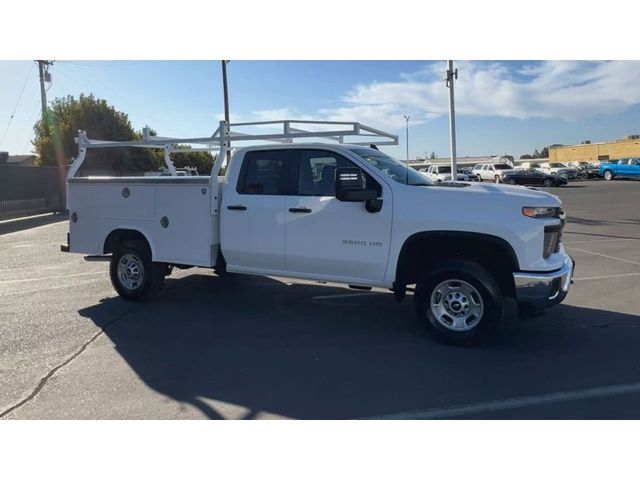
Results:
38 290
513 403
345 295
606 256
605 277
52 277
571 242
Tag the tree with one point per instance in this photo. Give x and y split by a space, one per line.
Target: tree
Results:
526 156
203 161
544 153
55 140
536 154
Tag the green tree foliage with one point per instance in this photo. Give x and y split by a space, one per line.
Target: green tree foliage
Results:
544 153
526 156
203 161
55 139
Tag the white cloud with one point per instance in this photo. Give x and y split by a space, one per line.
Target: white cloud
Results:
568 90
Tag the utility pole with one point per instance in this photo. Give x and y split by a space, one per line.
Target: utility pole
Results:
452 75
44 77
407 117
226 102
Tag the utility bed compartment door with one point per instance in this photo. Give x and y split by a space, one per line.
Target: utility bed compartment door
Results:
182 229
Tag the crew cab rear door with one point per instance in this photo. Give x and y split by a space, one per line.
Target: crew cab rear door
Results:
252 213
329 239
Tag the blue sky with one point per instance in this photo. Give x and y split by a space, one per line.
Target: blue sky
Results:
503 107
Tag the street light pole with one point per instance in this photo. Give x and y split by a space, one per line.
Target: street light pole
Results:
452 75
226 102
225 90
407 117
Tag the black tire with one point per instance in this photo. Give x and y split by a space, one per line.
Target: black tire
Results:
511 181
548 182
151 274
479 178
497 179
608 175
472 274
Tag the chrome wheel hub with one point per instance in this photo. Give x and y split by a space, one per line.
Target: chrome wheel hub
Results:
457 305
130 271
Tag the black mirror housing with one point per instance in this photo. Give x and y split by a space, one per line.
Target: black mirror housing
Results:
350 184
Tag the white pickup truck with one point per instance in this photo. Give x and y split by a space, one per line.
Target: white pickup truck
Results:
442 173
340 212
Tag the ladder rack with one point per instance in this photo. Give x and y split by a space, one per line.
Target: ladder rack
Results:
350 133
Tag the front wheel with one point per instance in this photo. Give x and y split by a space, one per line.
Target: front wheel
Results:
459 302
608 175
133 275
548 182
511 181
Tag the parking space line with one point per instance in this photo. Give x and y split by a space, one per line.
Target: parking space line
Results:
52 277
606 256
606 277
57 287
514 403
570 242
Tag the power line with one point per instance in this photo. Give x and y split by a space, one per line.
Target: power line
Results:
4 135
123 63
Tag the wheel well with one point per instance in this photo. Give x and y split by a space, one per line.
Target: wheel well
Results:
423 250
120 236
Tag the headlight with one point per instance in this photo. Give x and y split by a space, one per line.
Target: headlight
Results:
540 212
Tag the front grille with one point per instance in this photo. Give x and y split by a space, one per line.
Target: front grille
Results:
553 234
552 239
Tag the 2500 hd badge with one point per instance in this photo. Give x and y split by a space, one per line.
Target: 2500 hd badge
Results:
362 243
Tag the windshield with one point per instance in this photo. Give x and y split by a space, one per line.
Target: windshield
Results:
392 168
502 166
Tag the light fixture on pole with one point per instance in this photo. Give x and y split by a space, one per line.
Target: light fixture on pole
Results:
407 117
452 75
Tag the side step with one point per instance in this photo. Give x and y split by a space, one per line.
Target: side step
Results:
97 258
359 287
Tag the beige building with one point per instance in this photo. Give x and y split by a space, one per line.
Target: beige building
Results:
628 146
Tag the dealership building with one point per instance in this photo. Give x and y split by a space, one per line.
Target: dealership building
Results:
628 146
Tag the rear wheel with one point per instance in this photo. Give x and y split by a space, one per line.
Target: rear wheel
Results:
608 175
511 181
459 302
548 182
497 179
479 178
133 275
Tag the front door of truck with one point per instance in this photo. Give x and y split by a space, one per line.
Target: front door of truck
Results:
253 220
326 238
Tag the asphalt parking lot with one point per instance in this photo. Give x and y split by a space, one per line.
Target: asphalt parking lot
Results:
252 347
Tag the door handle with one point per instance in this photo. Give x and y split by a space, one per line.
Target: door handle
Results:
236 207
300 210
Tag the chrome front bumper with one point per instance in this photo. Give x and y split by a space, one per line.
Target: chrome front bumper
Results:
542 290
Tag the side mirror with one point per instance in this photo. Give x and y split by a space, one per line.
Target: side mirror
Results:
351 186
